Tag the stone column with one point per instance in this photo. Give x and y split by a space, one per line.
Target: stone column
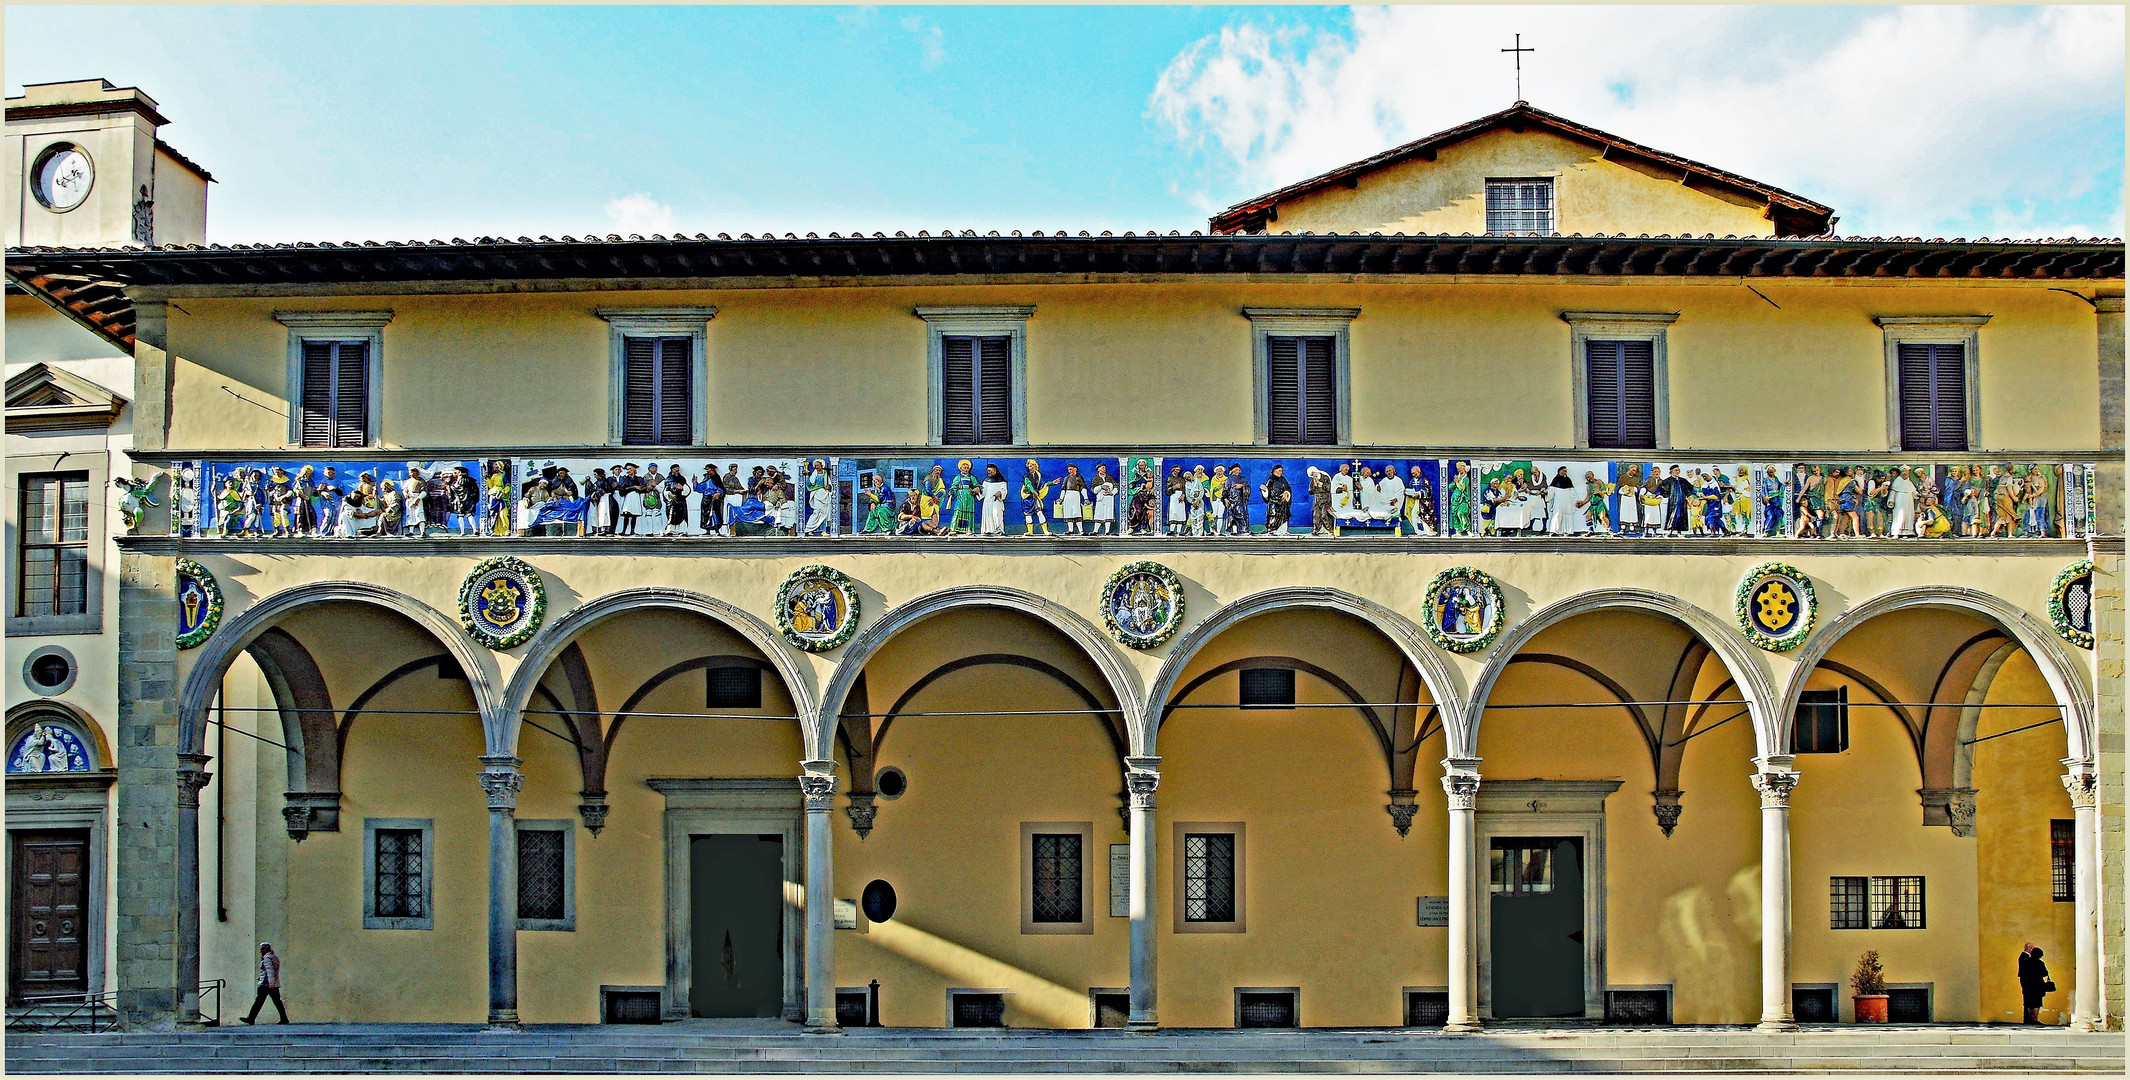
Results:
2083 784
501 778
152 881
192 777
1142 775
1460 781
1774 780
818 784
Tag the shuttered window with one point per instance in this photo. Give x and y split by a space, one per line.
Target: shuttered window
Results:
1933 396
334 400
976 390
658 398
1301 391
1620 379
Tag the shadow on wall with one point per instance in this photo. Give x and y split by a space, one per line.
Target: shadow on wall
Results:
1029 994
1711 943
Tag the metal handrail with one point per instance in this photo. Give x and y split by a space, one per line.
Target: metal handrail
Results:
214 986
46 1012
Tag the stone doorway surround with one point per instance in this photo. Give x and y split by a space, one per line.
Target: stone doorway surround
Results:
744 806
1507 808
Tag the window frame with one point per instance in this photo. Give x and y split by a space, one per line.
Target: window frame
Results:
371 920
2063 851
1270 322
1842 734
22 545
97 464
1183 829
692 322
1009 321
568 829
1553 204
1651 326
1085 830
367 327
1962 330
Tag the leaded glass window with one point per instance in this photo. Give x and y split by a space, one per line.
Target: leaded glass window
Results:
1057 878
541 874
399 874
1209 877
2063 860
1848 903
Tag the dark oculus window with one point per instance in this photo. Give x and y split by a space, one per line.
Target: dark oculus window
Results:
334 400
976 390
54 553
1620 379
657 396
541 870
1301 391
1057 878
1209 877
399 875
1933 397
1822 722
2063 860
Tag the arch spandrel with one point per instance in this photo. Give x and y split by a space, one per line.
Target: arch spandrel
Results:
1436 673
1747 666
1117 672
2064 674
553 640
212 659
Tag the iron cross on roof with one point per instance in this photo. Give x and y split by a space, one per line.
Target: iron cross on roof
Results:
1519 50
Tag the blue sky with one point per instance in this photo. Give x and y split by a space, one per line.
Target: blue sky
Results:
327 123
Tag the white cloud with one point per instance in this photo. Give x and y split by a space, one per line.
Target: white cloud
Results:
931 40
640 214
1907 121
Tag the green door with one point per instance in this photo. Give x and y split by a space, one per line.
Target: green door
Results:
736 888
1537 948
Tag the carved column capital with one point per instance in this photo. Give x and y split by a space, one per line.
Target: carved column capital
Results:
1142 776
1462 789
192 775
860 808
593 810
298 817
1775 787
1667 809
502 779
1401 809
818 785
2083 785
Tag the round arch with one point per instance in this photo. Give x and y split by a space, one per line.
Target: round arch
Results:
2050 656
1410 640
545 648
1123 681
220 650
1752 680
74 717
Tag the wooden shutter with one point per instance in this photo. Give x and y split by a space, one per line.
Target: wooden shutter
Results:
976 390
1933 396
1301 391
1620 385
351 393
676 398
958 390
315 423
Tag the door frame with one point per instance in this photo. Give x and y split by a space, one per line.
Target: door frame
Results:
48 802
1571 808
712 807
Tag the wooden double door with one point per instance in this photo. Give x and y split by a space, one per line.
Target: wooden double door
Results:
48 912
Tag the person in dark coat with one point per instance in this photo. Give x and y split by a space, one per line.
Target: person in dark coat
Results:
269 985
2033 981
1676 489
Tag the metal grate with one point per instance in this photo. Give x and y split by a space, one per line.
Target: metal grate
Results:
1057 878
1265 1009
1427 1008
733 688
2063 860
854 1008
1209 877
1848 903
540 874
1267 687
1897 903
1522 206
632 1007
979 1010
1908 1004
1640 1007
1814 1004
399 874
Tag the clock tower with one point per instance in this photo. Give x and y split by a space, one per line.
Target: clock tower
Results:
90 171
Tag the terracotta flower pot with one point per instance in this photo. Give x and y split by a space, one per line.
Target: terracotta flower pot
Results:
1870 1008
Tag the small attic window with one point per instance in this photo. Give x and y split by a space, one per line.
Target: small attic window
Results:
1520 206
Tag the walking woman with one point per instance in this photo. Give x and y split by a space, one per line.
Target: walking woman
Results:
269 983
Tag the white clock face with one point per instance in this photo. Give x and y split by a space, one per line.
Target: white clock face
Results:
63 178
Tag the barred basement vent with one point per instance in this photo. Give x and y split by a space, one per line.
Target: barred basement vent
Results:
1265 1009
631 1006
1427 1008
854 1008
979 1010
1814 1004
1908 1004
1644 1007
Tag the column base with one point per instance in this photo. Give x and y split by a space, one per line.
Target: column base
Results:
1462 1027
1776 1025
1143 1027
503 1020
822 1029
2084 1023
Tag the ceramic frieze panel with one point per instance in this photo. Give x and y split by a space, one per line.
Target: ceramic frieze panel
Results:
645 494
981 496
288 499
1242 496
1968 500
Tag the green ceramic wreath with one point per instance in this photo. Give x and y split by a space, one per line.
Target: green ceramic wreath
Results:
1776 606
1437 604
804 627
502 602
2059 610
203 625
1142 604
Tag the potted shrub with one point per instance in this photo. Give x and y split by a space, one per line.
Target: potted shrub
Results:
1868 984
